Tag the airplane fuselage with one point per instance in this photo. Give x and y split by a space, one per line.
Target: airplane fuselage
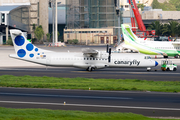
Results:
81 61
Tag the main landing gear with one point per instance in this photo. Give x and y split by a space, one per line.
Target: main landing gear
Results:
90 69
177 56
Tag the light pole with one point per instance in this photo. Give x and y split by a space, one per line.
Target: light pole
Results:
56 26
119 21
54 4
53 20
56 23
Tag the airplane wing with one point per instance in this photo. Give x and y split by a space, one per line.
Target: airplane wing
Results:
89 52
176 43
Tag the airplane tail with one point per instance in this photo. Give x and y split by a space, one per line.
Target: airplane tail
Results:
127 31
129 38
23 48
132 42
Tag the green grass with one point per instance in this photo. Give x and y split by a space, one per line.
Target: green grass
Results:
45 114
86 83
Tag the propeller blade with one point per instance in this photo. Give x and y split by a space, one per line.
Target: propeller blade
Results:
109 58
107 49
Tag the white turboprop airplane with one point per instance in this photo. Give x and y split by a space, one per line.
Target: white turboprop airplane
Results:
88 59
132 42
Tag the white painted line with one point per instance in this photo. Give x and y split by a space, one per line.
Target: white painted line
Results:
32 69
160 73
86 105
67 96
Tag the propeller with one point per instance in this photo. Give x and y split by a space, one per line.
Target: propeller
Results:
109 58
107 49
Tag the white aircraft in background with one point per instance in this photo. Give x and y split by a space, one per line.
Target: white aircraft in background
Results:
132 42
88 59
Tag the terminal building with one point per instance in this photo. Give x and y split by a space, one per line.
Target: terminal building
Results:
91 21
22 14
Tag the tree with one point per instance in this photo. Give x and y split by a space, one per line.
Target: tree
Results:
165 29
173 27
171 5
155 4
141 6
34 27
178 30
39 33
48 35
157 26
176 3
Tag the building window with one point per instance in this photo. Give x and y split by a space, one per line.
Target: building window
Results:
126 6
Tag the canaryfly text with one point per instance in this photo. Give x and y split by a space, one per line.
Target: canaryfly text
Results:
134 62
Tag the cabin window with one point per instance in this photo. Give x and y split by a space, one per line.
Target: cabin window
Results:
87 58
90 58
93 58
147 57
84 58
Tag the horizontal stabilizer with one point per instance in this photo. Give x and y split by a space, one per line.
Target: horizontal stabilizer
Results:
89 51
176 43
13 56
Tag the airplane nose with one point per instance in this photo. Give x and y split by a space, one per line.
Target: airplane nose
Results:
156 63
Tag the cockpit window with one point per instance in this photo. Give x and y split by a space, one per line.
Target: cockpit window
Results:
147 57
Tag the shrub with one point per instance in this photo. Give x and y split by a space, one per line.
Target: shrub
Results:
75 41
33 40
69 41
48 35
39 33
9 42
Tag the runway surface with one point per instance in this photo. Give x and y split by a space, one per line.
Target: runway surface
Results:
146 103
111 73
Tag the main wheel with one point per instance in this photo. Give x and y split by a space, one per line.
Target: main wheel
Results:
177 56
165 56
92 68
167 69
89 69
174 69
